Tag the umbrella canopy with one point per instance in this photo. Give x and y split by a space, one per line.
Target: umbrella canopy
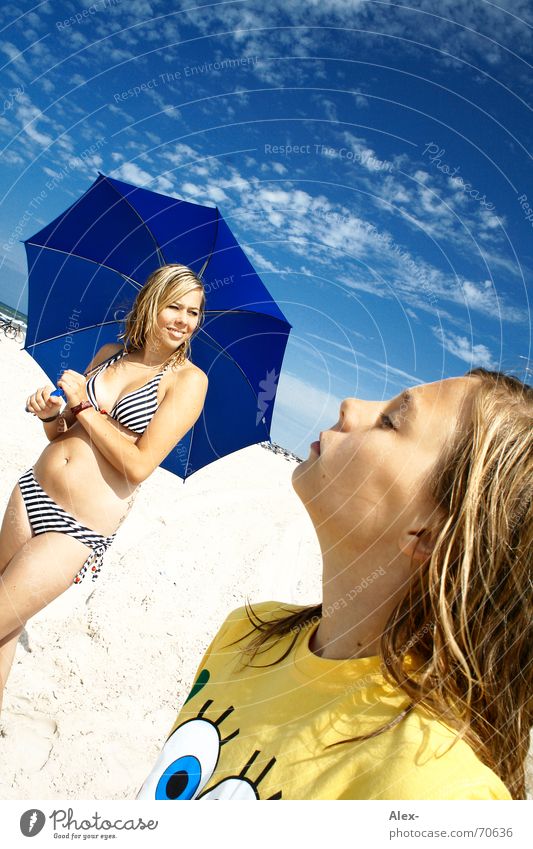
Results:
87 266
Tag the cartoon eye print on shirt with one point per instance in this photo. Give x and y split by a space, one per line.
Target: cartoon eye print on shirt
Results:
240 786
188 759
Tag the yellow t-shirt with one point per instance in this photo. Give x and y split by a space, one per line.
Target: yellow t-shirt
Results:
260 732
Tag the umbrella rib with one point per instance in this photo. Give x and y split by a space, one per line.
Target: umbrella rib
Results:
73 332
208 260
88 259
185 476
235 363
248 312
216 345
233 360
123 197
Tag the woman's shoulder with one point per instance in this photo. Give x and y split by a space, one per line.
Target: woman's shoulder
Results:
104 353
188 373
188 366
112 348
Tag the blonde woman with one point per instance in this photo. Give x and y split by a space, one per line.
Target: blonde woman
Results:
414 677
139 400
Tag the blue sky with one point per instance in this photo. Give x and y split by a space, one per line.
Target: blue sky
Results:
374 160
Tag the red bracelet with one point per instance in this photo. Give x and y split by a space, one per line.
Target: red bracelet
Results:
83 405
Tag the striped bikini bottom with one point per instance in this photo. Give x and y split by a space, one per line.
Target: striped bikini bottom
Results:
45 516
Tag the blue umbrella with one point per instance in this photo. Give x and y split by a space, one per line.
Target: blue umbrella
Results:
86 268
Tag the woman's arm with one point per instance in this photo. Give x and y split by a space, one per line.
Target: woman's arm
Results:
178 411
59 425
65 420
44 405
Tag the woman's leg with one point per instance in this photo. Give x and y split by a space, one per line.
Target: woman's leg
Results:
37 574
15 532
33 571
8 647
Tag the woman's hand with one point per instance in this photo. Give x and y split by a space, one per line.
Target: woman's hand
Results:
42 405
74 386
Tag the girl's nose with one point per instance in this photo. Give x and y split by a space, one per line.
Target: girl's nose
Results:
353 413
347 415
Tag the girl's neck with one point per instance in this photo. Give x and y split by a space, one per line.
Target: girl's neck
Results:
359 595
149 358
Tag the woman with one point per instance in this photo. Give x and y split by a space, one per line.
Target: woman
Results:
63 513
413 678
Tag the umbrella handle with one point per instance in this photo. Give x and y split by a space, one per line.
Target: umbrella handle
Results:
56 393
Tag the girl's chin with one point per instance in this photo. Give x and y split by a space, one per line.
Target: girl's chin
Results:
300 481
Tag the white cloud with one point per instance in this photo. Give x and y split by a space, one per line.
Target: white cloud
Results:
312 227
77 39
430 202
216 194
29 115
199 170
394 191
259 262
153 138
191 189
491 221
481 296
131 173
342 7
15 55
464 349
448 29
365 156
183 155
421 176
9 157
47 85
384 371
484 298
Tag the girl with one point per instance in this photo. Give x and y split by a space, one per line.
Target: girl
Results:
413 678
63 514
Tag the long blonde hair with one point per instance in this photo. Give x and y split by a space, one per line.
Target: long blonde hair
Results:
468 612
164 285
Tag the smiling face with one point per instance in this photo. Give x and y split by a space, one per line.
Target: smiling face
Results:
177 321
368 479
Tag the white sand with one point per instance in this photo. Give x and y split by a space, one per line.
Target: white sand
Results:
100 674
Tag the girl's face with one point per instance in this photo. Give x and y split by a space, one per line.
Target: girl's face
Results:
369 475
177 321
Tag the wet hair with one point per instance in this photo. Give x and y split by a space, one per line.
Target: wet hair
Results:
468 612
164 286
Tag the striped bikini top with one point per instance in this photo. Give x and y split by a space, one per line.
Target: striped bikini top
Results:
134 410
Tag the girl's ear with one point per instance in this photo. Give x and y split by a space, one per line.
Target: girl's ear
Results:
417 544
